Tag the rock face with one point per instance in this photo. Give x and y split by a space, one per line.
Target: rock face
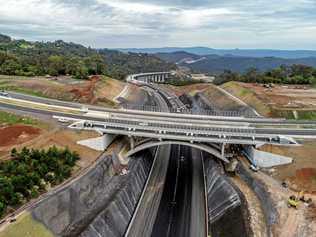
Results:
97 204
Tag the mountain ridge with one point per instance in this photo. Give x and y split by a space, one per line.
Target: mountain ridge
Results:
258 53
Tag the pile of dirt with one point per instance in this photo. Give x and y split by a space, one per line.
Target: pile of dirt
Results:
17 134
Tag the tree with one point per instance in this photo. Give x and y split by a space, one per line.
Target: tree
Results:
252 75
23 176
226 76
56 65
2 208
81 71
6 191
10 67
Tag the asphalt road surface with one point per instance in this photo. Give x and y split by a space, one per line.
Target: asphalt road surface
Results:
146 211
99 108
182 211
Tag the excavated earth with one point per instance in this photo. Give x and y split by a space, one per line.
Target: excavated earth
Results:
17 134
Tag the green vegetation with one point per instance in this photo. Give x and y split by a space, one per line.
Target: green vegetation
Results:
182 81
25 226
19 89
30 172
11 119
306 115
248 96
294 74
22 58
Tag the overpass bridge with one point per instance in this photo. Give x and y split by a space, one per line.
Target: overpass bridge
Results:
194 135
206 132
161 126
150 77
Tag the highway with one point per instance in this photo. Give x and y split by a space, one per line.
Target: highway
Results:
182 211
162 116
227 132
173 200
147 208
181 129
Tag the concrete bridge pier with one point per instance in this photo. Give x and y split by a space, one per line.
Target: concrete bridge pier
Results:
223 147
132 142
262 159
99 143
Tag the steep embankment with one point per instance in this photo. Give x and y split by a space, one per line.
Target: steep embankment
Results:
99 202
227 214
97 196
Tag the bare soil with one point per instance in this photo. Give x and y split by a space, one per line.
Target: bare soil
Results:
96 90
17 134
291 222
280 100
301 174
190 89
286 96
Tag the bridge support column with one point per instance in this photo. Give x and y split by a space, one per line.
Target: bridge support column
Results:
223 150
163 78
132 142
264 159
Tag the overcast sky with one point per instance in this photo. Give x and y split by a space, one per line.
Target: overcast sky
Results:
275 24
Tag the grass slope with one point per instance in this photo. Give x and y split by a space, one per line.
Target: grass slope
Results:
10 119
25 226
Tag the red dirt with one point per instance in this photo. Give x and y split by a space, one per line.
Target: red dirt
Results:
305 178
87 92
17 134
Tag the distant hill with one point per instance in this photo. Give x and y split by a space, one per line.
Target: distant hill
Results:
5 38
25 58
289 54
178 57
216 64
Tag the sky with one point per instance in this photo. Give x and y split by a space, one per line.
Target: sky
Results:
268 24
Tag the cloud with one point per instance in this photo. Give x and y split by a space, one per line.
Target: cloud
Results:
140 23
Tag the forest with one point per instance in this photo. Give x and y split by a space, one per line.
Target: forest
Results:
285 74
25 58
31 172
